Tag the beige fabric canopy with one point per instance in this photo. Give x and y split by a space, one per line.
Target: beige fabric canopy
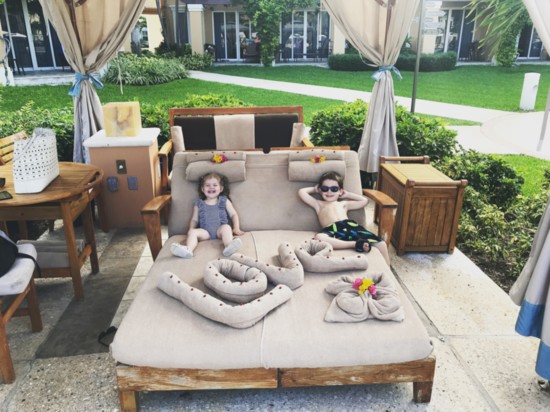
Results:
91 33
377 29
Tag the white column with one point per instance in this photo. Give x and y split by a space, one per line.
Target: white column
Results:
196 27
338 41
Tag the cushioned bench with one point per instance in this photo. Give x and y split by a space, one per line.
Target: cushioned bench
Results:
162 344
195 129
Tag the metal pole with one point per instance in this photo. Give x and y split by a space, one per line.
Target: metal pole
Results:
544 122
418 51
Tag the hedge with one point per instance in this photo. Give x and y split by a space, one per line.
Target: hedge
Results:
406 62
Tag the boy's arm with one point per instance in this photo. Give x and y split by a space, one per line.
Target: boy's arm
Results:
233 215
305 194
354 201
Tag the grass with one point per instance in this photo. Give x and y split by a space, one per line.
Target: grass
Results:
56 96
531 169
479 86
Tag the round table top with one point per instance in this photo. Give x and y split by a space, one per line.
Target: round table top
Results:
73 179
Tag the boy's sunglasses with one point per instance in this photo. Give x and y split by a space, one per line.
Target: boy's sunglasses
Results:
331 188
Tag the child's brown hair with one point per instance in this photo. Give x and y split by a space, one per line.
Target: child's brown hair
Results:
331 176
224 183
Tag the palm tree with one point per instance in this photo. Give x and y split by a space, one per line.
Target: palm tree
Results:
504 20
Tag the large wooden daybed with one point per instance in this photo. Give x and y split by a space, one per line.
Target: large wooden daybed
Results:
161 344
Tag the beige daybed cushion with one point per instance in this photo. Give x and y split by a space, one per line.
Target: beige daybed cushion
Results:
159 331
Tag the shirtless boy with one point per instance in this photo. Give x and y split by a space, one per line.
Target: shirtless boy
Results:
332 211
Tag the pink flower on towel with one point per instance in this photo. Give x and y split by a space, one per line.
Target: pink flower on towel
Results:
218 158
318 159
364 284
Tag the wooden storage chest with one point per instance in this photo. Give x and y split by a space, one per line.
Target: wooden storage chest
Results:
429 206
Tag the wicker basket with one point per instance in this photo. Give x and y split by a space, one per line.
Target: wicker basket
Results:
35 162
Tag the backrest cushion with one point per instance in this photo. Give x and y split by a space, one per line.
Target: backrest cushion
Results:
265 200
231 165
270 130
309 165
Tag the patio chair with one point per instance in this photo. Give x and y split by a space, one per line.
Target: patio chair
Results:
17 284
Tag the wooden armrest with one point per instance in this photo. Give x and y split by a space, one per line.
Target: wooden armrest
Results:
150 214
386 209
406 159
164 152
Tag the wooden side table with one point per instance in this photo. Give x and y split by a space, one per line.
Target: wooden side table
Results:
66 197
429 205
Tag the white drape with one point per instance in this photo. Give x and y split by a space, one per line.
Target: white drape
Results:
377 29
532 288
90 38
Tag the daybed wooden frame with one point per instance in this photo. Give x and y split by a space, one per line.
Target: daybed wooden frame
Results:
132 379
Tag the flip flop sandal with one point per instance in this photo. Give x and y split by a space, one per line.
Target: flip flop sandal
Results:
359 246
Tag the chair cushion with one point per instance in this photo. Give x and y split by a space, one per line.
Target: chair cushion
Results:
16 280
52 253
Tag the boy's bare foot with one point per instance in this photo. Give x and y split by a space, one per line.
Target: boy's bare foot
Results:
181 251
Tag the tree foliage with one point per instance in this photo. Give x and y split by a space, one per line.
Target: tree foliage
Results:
266 16
503 20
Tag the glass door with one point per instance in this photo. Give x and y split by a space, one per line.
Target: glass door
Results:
40 35
225 35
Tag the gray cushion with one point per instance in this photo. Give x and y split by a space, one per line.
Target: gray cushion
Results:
52 253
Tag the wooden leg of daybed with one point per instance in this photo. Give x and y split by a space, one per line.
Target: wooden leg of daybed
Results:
128 401
422 391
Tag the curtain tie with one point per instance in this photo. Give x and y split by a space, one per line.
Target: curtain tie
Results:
378 74
78 77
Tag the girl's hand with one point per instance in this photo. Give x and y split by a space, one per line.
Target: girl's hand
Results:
238 232
344 194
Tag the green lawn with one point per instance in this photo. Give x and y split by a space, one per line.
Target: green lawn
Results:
56 96
479 86
532 170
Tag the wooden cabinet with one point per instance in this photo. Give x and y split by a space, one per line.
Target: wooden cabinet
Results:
429 205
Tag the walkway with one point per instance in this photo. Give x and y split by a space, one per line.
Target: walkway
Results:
499 132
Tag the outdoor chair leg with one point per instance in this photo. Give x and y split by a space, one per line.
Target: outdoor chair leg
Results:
6 364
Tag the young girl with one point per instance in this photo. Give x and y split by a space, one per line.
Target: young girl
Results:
332 211
212 216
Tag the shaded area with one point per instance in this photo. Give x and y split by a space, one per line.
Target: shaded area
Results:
78 329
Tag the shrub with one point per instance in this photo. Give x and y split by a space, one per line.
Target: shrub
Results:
339 125
170 51
130 69
351 62
418 136
197 61
436 62
343 125
493 178
406 62
29 117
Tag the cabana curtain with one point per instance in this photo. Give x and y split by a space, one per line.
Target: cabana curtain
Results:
91 33
377 29
532 288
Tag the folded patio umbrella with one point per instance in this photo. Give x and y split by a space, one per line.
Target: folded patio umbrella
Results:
532 291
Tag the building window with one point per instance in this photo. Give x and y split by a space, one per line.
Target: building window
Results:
456 33
305 33
529 43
